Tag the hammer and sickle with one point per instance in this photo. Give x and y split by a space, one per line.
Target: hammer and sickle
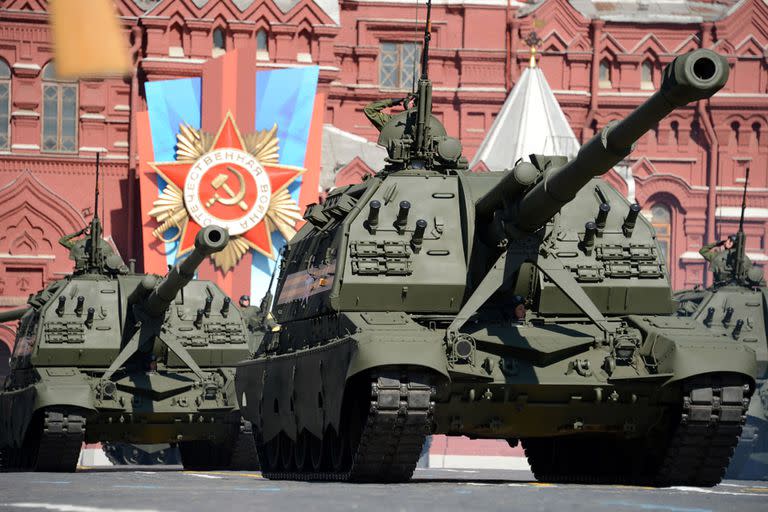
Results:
220 182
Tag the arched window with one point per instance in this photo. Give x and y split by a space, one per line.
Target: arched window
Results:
646 75
219 42
661 219
675 126
175 41
605 74
755 134
304 47
5 106
735 135
262 49
59 112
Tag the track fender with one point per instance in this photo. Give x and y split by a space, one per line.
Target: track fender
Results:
68 393
687 357
379 348
691 358
684 348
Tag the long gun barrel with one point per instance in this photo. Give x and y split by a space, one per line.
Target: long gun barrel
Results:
209 240
694 76
12 314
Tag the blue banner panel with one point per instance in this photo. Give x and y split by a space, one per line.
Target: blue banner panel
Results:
285 97
171 103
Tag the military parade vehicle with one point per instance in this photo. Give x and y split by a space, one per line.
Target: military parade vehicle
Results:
107 354
735 308
529 305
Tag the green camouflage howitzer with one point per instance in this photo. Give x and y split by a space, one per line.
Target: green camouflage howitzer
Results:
399 315
106 354
736 310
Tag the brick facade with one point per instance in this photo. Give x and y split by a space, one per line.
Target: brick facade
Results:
693 164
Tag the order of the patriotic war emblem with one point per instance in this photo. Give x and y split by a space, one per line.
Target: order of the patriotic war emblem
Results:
230 180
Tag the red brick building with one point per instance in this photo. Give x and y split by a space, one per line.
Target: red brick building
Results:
600 58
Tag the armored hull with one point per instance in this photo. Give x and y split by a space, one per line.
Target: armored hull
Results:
109 356
402 312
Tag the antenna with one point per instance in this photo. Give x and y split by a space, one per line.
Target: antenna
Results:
738 267
95 256
415 37
424 111
427 38
744 202
96 195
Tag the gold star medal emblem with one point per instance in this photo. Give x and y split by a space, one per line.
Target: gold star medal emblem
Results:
228 180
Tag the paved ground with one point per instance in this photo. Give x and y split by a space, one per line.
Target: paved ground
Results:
169 489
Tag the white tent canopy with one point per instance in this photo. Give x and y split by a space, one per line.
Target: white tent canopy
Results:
530 121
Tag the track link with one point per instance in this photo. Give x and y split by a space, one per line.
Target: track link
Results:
60 442
399 418
695 449
52 444
714 412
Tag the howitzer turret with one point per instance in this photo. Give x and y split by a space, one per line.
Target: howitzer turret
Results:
462 304
694 76
208 241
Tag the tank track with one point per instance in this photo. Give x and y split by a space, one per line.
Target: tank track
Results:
52 444
709 430
399 418
60 443
694 450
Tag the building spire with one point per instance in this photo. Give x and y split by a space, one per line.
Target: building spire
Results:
533 41
530 121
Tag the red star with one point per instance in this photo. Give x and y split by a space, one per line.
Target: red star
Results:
280 176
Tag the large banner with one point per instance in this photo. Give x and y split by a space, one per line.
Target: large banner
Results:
237 147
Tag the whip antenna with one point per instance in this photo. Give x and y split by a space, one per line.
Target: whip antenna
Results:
427 37
738 268
95 256
744 202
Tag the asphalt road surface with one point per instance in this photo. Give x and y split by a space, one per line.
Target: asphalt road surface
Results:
169 489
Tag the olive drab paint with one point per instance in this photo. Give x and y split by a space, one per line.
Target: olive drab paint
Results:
735 309
106 354
395 304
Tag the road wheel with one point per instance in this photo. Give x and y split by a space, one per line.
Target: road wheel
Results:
272 454
287 449
316 449
301 451
338 450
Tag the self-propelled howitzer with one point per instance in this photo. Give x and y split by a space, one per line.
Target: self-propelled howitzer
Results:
735 308
109 355
529 305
